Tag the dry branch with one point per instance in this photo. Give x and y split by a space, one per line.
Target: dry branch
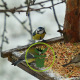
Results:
31 9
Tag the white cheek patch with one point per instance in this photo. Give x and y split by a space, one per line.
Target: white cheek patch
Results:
40 32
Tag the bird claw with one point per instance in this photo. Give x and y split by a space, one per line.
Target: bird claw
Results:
44 40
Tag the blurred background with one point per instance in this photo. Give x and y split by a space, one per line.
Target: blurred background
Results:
18 36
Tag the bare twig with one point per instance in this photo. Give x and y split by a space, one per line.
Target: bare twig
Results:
3 34
1 5
16 17
5 5
59 26
30 24
64 1
39 3
30 9
28 13
12 11
31 4
45 7
22 23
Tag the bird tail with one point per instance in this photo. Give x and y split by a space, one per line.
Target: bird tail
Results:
19 61
16 62
66 64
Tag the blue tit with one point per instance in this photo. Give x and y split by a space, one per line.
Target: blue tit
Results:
39 33
75 61
30 59
30 56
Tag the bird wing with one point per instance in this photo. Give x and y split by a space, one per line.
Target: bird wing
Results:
34 33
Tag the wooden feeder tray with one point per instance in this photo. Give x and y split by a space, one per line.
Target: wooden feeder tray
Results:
12 57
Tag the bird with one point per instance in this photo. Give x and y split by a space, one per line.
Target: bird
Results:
39 33
30 59
30 56
75 60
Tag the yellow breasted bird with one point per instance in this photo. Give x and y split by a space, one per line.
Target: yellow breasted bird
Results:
30 56
39 33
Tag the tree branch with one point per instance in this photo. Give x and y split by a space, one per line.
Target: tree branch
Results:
59 26
31 9
21 23
3 34
30 24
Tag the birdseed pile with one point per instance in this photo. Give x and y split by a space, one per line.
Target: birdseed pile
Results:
63 54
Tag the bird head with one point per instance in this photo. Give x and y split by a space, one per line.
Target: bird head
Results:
40 30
